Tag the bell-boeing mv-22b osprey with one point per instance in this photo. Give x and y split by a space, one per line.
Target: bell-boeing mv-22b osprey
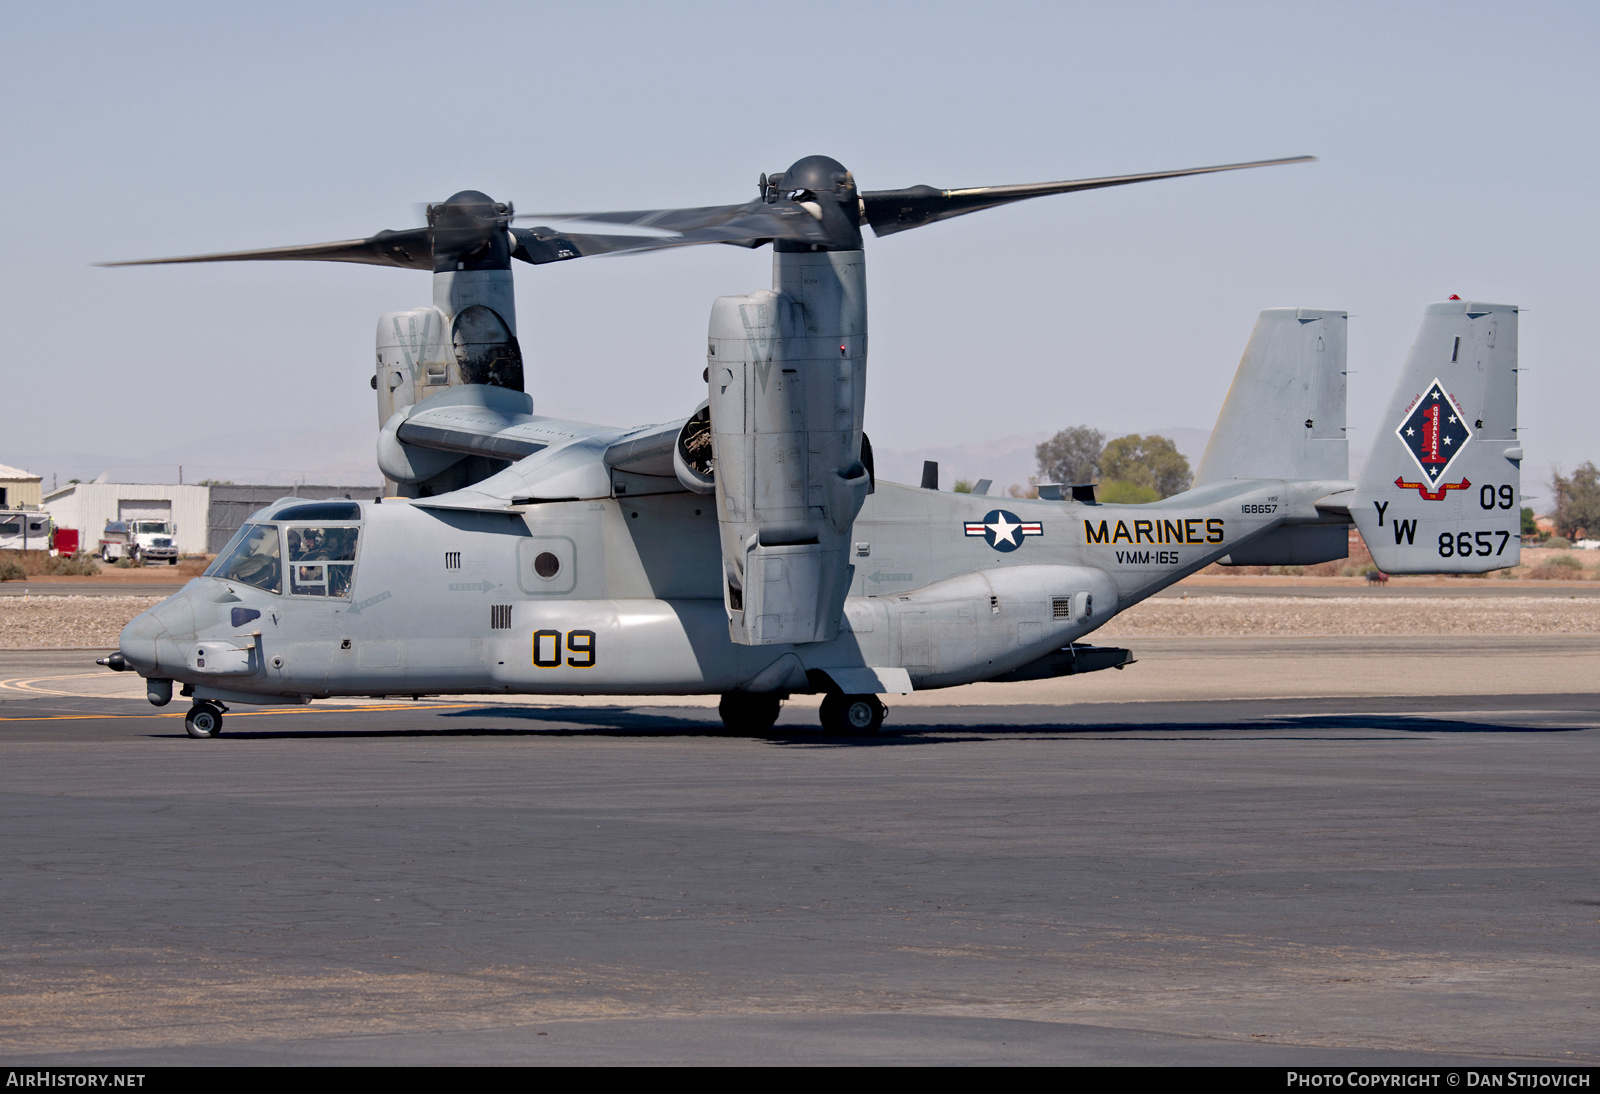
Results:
749 550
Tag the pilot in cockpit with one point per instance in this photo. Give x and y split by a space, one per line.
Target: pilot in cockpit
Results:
312 546
323 560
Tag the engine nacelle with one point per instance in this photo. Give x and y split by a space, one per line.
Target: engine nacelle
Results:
691 455
787 374
424 353
414 358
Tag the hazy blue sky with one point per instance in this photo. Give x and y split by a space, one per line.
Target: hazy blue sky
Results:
1457 142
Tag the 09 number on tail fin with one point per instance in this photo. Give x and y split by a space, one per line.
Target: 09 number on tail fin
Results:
1441 488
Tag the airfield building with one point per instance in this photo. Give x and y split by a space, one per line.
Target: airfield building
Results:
18 489
206 516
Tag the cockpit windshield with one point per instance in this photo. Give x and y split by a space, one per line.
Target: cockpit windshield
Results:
322 559
251 558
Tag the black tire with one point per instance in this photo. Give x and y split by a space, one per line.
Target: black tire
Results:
172 562
743 712
203 721
852 715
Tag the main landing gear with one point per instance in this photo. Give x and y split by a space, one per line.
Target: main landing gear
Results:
851 715
842 715
204 719
744 712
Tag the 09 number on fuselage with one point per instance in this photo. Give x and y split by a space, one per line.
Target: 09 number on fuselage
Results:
580 649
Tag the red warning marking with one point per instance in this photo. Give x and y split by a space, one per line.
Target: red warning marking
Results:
1432 495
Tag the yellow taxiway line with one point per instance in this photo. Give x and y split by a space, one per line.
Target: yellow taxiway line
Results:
27 685
246 713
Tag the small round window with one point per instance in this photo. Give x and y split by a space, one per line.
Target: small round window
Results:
546 565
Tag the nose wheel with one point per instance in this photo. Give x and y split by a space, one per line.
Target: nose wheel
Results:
203 720
852 715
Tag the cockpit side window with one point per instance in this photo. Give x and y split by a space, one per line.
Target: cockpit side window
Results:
251 558
322 559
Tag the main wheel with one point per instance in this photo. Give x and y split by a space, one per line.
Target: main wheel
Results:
172 562
203 720
744 712
852 715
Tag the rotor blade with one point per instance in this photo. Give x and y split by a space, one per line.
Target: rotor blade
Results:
745 228
410 249
890 211
715 223
542 244
673 220
786 220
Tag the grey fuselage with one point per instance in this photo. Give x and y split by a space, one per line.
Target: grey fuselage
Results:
451 601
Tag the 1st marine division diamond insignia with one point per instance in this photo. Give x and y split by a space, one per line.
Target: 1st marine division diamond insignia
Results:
1002 530
1434 432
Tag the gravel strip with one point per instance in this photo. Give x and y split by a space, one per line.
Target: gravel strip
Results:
93 622
67 622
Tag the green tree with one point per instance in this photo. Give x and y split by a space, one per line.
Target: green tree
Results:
1577 510
1071 456
1125 493
1530 524
962 486
1153 462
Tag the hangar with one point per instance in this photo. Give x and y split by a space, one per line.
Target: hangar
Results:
206 516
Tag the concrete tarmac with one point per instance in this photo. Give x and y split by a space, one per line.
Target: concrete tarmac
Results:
1293 871
160 585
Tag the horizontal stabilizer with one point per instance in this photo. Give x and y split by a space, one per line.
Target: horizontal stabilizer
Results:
1442 489
1284 415
1294 545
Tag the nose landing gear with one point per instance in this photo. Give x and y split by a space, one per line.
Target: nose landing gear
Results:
204 719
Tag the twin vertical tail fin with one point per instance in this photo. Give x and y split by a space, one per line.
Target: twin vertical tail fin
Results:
1441 491
1284 415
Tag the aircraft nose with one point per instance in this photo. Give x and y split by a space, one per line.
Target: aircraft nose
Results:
169 623
139 639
